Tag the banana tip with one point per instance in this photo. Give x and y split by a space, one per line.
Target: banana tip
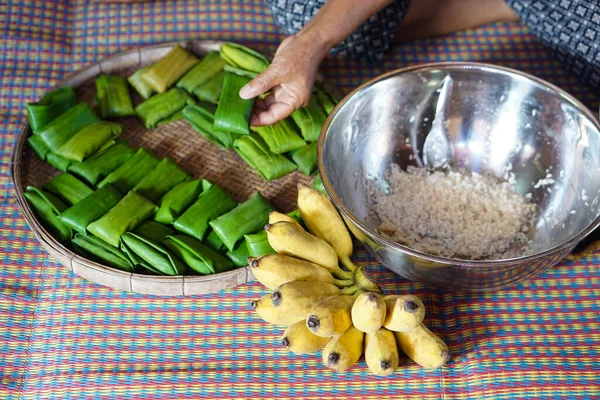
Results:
253 304
267 227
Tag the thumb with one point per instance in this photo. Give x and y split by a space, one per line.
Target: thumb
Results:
261 84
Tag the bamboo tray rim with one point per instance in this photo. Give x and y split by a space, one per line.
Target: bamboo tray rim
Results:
99 273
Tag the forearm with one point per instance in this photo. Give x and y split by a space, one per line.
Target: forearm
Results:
337 19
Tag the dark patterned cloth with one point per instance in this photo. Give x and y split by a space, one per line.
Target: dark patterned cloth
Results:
571 28
369 41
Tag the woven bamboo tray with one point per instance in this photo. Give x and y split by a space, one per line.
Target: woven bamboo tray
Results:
178 141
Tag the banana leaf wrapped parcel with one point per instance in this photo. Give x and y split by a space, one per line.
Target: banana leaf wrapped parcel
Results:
131 211
165 72
239 255
178 199
310 120
161 179
98 250
202 120
50 106
196 255
68 188
89 140
154 231
209 67
132 171
257 244
162 106
90 208
100 165
65 126
243 58
233 112
248 217
210 91
252 149
47 207
306 158
280 137
140 86
152 256
211 204
112 97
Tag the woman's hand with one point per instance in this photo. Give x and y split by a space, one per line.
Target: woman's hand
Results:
289 78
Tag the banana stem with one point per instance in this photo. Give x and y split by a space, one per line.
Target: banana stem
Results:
343 283
343 274
349 290
348 264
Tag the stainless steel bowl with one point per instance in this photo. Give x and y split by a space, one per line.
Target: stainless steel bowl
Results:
497 116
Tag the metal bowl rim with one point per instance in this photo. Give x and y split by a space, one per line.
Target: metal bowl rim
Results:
429 257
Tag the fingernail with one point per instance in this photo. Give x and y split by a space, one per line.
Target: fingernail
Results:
246 92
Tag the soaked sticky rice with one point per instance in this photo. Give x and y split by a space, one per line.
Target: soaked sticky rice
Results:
453 214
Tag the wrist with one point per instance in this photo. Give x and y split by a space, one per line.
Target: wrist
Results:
319 40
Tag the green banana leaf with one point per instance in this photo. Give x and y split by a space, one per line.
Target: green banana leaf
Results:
178 199
211 204
164 73
244 58
58 162
256 153
112 97
89 140
214 242
131 211
178 116
306 158
281 137
38 146
196 255
233 112
47 207
68 188
310 120
154 231
239 255
154 257
210 91
91 208
139 84
318 184
202 120
50 106
257 244
296 215
327 100
238 71
162 106
103 163
98 250
202 72
65 126
132 171
164 177
247 217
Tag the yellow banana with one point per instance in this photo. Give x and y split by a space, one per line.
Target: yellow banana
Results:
276 216
299 340
296 298
368 312
423 347
355 231
331 316
403 313
290 239
274 270
269 313
364 283
344 350
381 352
324 221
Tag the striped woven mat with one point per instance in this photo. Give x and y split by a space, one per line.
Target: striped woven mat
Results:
65 338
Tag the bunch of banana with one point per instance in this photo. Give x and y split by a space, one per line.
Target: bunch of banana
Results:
337 310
